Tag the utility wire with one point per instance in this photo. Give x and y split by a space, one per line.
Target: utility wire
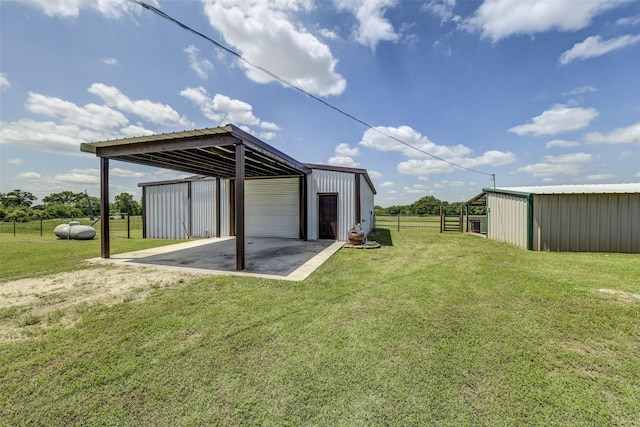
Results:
299 89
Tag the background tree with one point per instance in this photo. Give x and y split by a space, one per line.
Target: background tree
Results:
17 198
125 204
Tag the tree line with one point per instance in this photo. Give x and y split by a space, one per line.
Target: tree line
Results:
18 205
428 205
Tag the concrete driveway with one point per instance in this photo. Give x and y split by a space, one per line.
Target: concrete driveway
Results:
284 259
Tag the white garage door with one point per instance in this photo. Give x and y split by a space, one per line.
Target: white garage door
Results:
272 208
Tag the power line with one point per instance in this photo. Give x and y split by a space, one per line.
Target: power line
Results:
291 85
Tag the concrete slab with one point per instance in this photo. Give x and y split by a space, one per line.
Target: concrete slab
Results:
283 259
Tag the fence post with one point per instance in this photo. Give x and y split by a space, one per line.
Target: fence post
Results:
128 226
398 222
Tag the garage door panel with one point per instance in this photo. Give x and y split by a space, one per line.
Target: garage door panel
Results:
272 208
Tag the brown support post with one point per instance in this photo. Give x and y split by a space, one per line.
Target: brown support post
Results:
189 210
239 207
441 220
218 209
357 201
144 212
105 250
460 229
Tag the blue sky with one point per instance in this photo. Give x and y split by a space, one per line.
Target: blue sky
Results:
535 92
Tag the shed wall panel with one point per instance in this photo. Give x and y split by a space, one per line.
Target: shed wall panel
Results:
587 222
366 206
167 211
272 208
203 208
331 182
507 219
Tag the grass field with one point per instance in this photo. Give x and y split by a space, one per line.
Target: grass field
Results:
431 329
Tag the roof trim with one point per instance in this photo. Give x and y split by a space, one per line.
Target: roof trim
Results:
569 189
344 169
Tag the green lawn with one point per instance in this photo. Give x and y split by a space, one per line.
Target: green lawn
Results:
431 329
30 255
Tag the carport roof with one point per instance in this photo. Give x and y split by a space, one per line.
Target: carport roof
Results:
208 151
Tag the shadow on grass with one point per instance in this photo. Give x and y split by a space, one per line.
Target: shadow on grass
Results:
382 236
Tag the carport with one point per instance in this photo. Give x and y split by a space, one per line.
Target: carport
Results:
222 152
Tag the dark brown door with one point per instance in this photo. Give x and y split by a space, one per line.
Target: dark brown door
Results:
328 216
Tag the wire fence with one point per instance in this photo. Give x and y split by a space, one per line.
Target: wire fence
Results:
400 222
468 223
120 225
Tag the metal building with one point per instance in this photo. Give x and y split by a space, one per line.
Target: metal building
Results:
566 218
337 198
253 190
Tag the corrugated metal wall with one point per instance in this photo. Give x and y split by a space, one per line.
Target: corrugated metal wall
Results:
366 206
587 222
272 208
167 211
203 208
507 218
341 183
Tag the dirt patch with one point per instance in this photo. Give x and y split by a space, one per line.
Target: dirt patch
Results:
30 306
622 296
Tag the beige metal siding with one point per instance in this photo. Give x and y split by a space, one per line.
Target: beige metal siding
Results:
272 208
587 222
507 219
366 206
203 208
166 213
332 182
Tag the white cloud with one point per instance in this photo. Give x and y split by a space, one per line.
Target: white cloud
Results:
110 61
374 174
498 19
599 177
86 175
558 119
446 183
71 8
343 161
638 175
93 116
30 175
580 90
135 130
200 66
628 135
373 26
4 82
154 112
632 20
387 184
434 166
563 143
344 149
15 161
223 110
386 139
48 136
421 163
569 158
443 9
125 173
328 34
267 136
569 164
594 46
264 34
